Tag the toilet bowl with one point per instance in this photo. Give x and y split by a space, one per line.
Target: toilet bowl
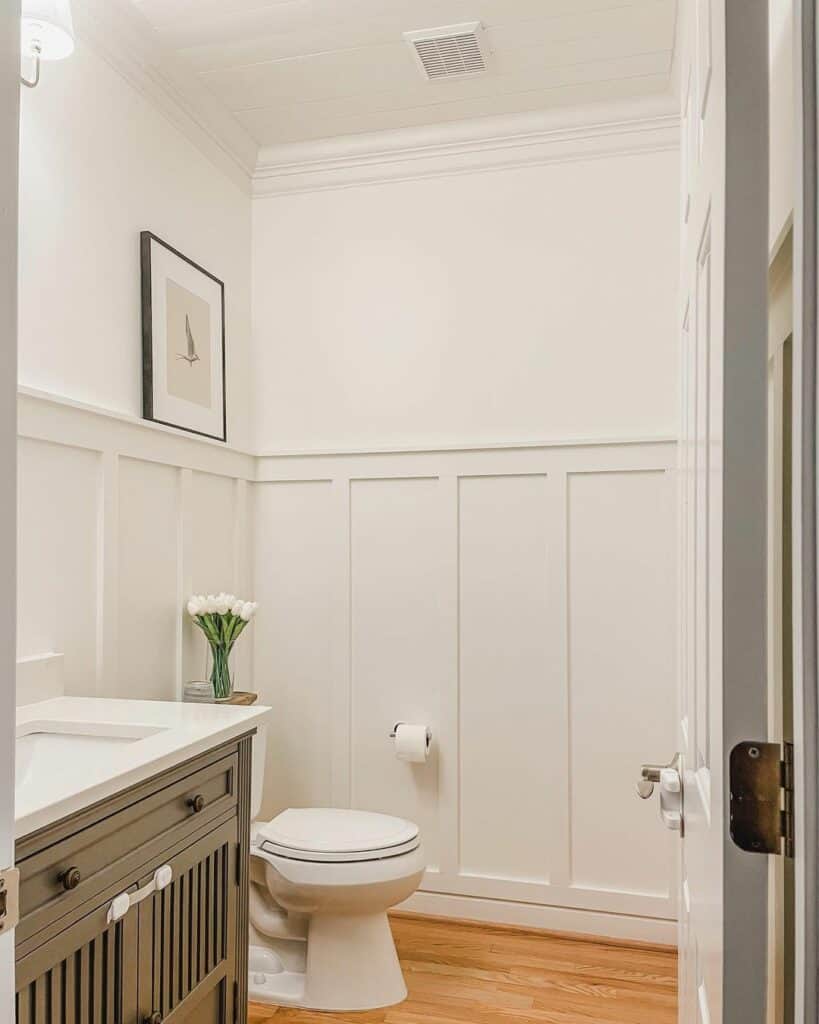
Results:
322 881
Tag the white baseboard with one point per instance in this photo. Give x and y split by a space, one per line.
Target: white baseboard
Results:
556 919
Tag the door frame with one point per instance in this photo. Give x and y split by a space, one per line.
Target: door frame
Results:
745 482
9 154
806 705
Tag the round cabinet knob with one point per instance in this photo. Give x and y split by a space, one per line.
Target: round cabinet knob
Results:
197 803
155 1018
70 878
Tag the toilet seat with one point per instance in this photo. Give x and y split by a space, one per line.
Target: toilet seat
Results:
336 836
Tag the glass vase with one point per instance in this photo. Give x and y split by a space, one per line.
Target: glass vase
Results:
220 674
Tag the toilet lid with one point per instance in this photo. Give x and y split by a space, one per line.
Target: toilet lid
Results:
335 835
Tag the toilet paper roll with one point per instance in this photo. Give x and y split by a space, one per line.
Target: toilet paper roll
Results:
412 742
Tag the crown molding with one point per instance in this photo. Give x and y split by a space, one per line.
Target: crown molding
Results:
464 147
119 34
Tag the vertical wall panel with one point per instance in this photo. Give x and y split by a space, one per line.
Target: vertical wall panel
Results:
294 534
149 604
396 644
622 666
57 527
510 695
213 567
213 503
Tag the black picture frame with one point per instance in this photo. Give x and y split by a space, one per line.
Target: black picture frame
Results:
146 239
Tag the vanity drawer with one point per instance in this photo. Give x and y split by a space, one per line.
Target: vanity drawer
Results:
66 874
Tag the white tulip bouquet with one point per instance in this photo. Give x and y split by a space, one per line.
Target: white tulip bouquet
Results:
221 617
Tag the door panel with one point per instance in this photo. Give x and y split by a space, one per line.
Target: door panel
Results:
86 975
781 980
210 1003
723 499
184 929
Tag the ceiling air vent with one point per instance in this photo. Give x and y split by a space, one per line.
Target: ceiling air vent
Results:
453 51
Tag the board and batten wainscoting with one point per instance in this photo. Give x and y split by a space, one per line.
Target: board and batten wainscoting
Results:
519 599
119 522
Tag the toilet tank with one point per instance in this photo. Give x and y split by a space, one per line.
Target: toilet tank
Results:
257 770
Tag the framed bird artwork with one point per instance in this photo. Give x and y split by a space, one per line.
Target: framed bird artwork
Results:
183 342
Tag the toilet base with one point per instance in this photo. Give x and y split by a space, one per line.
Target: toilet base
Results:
276 988
351 965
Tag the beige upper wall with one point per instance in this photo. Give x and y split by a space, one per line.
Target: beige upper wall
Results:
99 164
517 305
514 305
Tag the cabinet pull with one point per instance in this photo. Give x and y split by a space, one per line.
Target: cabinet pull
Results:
70 878
120 905
197 803
155 1018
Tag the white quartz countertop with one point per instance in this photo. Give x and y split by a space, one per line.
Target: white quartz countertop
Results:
129 741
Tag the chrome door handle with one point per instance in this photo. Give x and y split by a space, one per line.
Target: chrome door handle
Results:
669 778
645 787
652 774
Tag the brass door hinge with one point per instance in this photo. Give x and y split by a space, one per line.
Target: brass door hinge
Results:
762 797
9 899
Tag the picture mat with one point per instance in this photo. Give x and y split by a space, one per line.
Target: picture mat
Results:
168 408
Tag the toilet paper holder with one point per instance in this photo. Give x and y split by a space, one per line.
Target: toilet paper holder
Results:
394 733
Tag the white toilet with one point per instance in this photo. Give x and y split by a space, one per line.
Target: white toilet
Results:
321 882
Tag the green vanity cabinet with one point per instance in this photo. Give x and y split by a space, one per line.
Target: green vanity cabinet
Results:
177 955
84 974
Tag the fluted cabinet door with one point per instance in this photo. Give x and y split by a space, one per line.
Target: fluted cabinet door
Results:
84 975
187 953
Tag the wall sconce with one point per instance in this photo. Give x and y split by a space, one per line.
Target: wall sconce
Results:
47 33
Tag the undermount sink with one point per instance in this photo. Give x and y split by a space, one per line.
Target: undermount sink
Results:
73 752
68 749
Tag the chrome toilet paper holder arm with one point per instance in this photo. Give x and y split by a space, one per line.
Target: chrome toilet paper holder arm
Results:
394 732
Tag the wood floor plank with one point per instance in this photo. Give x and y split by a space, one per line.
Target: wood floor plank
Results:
479 974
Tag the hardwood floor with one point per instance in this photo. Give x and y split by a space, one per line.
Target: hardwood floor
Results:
476 974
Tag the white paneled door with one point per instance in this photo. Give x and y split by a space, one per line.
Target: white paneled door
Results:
723 500
9 120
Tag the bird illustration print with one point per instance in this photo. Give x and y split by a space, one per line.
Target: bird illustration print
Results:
190 357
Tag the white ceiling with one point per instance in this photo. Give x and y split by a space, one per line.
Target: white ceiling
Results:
293 70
